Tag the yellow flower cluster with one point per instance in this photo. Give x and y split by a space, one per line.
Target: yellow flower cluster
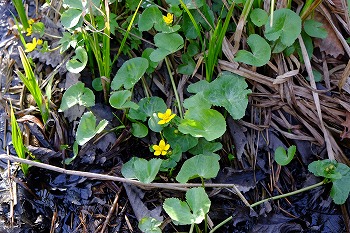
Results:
31 46
161 149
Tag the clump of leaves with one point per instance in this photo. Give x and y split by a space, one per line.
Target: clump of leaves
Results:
338 174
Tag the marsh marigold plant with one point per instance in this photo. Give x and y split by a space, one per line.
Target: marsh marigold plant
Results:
165 117
161 149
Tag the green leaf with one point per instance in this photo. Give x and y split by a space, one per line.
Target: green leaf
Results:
205 166
282 158
78 62
197 101
260 55
173 159
188 65
229 91
97 84
286 28
167 43
207 123
87 128
178 211
153 123
130 73
70 17
314 29
77 94
145 171
147 107
73 4
194 211
39 28
152 65
68 40
150 225
258 17
150 16
190 4
326 168
204 146
139 130
199 203
340 190
174 137
119 98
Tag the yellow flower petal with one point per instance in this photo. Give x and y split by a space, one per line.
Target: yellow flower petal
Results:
40 42
162 144
157 152
167 147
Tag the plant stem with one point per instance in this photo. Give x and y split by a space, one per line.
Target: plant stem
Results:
174 87
289 194
191 229
272 198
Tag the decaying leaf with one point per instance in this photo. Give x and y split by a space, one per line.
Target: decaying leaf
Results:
331 45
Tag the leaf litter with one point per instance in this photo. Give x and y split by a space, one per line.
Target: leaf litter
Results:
279 114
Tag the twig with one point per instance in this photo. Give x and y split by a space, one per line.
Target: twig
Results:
91 175
111 211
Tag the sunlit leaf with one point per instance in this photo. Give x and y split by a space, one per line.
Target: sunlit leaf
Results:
260 55
87 128
77 94
78 61
130 73
207 123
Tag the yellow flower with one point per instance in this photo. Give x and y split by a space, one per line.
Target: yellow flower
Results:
161 149
165 117
30 29
31 46
168 19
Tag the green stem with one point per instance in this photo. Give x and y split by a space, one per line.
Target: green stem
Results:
289 194
174 87
221 224
273 198
191 229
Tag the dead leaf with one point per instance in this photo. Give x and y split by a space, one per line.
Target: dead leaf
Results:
330 45
346 124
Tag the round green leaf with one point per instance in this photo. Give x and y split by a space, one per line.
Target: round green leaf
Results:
259 17
286 27
150 16
130 73
207 123
77 94
78 62
174 137
97 84
119 98
260 55
199 203
205 166
139 130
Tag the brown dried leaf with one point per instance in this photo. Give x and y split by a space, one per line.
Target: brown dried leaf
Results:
346 124
331 45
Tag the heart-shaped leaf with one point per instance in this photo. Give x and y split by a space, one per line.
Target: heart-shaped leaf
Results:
78 62
207 123
145 171
282 158
229 91
87 128
260 55
120 100
194 211
285 29
259 17
77 94
205 166
167 43
130 73
150 16
174 137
